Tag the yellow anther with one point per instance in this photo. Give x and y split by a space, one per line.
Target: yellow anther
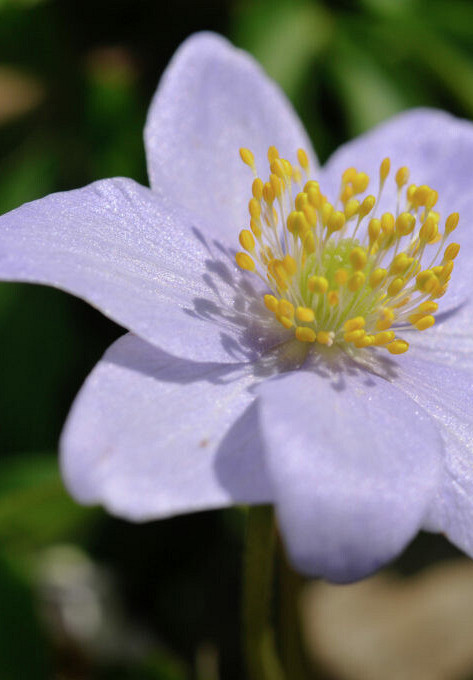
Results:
351 208
427 307
277 168
405 224
333 298
367 206
353 336
385 320
317 284
347 193
305 314
397 347
289 264
301 225
358 258
446 271
255 228
355 281
246 240
268 193
377 277
402 176
354 324
341 276
305 334
451 223
310 215
411 189
439 290
422 195
291 222
400 263
396 286
247 157
327 210
384 169
387 224
280 272
425 322
244 261
383 337
315 198
309 243
434 197
276 185
451 251
365 341
303 159
428 230
286 308
296 175
325 338
336 221
288 169
374 230
285 321
402 302
302 199
360 182
271 303
254 208
311 185
349 175
257 188
273 153
426 281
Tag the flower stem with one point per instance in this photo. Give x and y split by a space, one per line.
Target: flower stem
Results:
260 649
293 653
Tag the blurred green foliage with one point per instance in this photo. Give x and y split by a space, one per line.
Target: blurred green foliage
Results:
75 81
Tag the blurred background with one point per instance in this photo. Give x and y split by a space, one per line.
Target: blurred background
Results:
85 596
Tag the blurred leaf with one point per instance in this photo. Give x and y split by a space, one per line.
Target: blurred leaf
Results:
114 115
27 174
369 95
22 647
35 509
19 93
285 37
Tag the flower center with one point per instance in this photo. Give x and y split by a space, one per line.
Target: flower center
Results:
337 272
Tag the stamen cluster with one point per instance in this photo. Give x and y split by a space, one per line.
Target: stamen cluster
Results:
337 272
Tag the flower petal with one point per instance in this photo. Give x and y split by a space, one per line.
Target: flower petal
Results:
438 149
354 465
212 100
141 262
449 342
152 436
446 393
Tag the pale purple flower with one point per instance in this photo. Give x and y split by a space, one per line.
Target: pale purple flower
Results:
208 401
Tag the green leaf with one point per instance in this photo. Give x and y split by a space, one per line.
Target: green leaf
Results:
285 37
35 509
22 647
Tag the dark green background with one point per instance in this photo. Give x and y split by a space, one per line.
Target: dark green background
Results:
90 69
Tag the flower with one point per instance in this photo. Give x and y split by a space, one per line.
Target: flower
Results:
214 397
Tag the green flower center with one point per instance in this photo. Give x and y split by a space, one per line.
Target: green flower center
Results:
338 273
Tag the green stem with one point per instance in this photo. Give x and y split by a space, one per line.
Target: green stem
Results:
292 646
260 649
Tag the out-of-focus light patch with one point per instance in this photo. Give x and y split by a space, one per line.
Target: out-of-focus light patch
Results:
416 628
112 65
81 608
19 93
